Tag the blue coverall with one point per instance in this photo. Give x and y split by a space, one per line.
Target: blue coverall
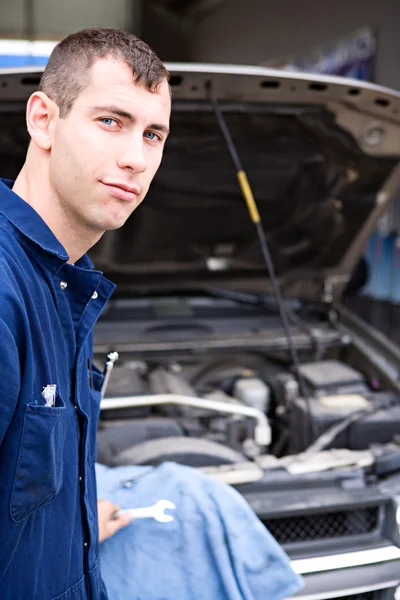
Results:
48 504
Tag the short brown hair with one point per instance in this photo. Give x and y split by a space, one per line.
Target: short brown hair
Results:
67 71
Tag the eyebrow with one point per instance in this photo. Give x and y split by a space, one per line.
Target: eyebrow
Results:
126 115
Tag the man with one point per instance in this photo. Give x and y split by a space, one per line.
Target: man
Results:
97 126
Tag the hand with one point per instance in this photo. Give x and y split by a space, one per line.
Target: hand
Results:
107 525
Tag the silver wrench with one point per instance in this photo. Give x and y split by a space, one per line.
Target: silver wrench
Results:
111 358
156 511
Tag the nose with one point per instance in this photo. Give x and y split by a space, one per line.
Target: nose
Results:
132 155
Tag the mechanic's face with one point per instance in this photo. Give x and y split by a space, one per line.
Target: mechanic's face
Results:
107 150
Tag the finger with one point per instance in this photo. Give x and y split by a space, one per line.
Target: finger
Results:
119 523
125 518
106 507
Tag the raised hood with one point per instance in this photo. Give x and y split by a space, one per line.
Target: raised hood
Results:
321 154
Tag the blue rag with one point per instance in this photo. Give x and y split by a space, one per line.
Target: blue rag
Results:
215 549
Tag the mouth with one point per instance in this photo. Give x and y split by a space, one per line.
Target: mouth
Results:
122 191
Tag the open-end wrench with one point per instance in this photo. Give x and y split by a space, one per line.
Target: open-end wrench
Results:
111 358
157 512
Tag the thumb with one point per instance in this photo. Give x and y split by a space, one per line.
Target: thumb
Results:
116 523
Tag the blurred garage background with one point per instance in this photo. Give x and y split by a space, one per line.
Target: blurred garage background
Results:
353 38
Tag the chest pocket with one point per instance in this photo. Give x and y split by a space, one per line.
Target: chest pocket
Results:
39 472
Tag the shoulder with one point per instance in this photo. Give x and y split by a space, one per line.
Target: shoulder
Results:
8 236
11 295
10 246
12 254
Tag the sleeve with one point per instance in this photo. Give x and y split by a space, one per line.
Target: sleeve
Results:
10 377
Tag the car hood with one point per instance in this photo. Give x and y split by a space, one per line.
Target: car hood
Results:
321 154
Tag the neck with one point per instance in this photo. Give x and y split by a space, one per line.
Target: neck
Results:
33 185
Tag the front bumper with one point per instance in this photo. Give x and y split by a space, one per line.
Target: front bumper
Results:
351 573
341 535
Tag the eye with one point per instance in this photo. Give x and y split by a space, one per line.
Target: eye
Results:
153 137
108 121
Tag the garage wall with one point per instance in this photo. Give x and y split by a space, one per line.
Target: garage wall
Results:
166 33
254 31
53 19
12 18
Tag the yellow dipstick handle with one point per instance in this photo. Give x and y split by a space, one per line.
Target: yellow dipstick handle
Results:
248 196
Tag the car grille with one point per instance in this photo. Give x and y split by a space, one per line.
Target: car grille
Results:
368 595
365 596
324 526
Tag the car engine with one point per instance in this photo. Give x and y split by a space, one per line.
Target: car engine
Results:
231 408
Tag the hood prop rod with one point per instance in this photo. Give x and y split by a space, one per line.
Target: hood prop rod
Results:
256 219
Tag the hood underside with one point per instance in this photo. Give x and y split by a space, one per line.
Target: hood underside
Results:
194 222
322 163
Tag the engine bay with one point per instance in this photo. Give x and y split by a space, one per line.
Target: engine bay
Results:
215 407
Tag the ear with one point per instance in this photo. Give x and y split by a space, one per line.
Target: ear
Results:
41 114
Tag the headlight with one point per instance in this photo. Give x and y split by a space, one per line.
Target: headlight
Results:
397 594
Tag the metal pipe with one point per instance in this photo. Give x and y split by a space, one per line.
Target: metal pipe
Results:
262 430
